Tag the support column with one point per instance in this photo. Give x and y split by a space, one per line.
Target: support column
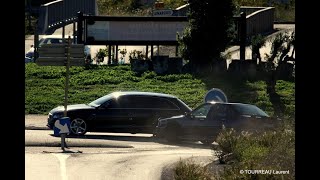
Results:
74 32
117 60
79 28
147 52
158 50
109 54
177 49
36 42
243 36
151 51
63 33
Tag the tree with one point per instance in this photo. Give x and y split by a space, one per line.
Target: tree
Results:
281 45
209 31
257 42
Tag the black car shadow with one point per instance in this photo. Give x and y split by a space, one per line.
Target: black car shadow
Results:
185 143
112 137
137 138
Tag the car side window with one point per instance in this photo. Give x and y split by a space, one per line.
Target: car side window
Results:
110 104
45 41
124 102
202 111
162 103
128 102
218 112
145 102
232 114
120 102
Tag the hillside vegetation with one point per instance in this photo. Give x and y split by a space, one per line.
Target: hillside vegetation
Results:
44 87
283 11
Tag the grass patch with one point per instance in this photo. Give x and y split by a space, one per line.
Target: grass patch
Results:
44 87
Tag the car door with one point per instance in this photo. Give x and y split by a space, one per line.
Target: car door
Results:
142 113
165 107
217 117
197 121
114 116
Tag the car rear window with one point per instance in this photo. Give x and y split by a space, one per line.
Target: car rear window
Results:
247 109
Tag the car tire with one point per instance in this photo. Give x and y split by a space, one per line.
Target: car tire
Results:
155 124
78 126
172 134
207 141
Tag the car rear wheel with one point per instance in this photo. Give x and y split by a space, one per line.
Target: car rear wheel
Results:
78 126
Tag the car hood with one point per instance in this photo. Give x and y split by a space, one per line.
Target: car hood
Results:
173 118
71 108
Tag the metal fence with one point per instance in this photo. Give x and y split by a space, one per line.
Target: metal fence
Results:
55 14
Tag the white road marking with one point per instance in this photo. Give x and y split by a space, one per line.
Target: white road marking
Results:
63 168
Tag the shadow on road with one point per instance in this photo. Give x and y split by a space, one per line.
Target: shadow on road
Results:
137 138
114 137
185 143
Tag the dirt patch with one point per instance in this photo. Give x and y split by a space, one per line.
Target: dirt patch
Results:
36 121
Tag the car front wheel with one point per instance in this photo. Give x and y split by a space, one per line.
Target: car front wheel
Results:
206 142
78 126
172 134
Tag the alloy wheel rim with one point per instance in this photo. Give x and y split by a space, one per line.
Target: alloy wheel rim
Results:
78 126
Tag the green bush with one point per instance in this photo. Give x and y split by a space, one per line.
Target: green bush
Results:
188 170
271 150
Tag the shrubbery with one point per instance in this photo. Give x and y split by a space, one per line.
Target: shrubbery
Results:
188 170
271 151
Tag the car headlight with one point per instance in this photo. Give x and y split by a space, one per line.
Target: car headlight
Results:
57 115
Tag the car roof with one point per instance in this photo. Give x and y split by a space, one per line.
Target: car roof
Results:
122 93
229 103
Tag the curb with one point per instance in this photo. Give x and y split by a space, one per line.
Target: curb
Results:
284 22
35 128
74 144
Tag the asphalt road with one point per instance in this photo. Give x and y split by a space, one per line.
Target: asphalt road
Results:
105 156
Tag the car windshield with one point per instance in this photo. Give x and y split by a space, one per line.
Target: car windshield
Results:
247 109
101 100
41 41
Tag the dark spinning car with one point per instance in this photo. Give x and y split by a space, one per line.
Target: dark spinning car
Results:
128 111
205 122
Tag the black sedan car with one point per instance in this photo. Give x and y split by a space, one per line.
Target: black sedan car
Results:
123 111
205 122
